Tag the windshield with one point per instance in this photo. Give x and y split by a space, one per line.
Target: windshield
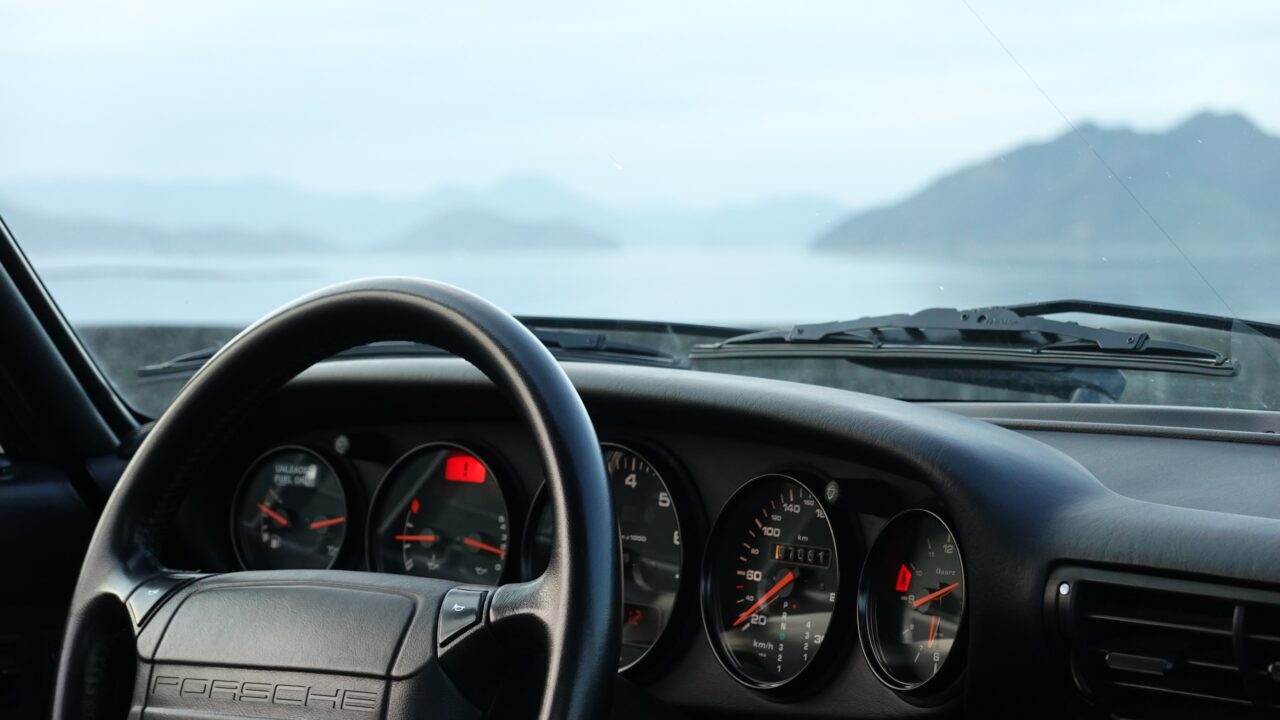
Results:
176 170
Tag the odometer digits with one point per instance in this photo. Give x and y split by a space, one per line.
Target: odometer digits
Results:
772 581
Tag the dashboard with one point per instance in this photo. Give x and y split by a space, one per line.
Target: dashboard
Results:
784 546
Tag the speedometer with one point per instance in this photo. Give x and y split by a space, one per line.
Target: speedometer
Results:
771 582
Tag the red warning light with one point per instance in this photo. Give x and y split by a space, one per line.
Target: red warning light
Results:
463 468
414 506
904 579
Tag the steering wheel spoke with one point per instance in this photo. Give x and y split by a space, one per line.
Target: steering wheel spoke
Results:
524 611
148 595
484 653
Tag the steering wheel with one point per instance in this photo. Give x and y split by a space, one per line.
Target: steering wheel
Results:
340 644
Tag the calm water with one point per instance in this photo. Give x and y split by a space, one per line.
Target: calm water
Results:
744 287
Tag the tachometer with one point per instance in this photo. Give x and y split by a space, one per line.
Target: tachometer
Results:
290 512
652 551
771 581
911 600
441 513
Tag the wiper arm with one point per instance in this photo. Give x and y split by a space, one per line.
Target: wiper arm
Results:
1137 312
597 347
984 334
564 344
185 364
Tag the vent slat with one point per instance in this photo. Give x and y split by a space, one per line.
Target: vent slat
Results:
1145 622
1223 667
1202 664
1183 693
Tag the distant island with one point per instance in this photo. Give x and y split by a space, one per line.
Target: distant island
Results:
1210 183
478 230
262 217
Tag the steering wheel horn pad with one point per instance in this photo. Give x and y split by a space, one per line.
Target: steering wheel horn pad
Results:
341 644
314 641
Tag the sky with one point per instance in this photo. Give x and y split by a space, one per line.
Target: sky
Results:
631 103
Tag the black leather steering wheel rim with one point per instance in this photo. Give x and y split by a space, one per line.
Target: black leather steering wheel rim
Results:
573 609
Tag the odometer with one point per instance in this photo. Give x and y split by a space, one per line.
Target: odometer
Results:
911 600
772 581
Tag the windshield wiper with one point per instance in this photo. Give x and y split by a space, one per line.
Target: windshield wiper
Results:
564 344
598 347
1137 312
1017 335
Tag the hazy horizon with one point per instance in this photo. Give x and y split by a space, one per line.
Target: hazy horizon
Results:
517 178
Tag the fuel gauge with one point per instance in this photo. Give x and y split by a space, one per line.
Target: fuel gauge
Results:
290 512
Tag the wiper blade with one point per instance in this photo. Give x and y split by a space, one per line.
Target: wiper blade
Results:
979 335
564 344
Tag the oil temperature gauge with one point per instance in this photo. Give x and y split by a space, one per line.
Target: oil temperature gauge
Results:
911 600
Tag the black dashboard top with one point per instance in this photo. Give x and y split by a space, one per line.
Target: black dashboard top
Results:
1022 503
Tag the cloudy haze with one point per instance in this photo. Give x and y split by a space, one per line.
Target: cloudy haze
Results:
655 102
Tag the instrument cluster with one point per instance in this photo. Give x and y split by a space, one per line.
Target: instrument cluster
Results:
784 581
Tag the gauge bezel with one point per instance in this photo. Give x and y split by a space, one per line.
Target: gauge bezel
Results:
244 479
497 470
825 660
687 511
936 687
530 532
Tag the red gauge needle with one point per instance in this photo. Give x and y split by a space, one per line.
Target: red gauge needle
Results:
327 523
484 546
416 538
935 595
282 520
933 629
764 599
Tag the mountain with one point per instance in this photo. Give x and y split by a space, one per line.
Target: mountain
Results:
1210 182
360 222
41 233
479 230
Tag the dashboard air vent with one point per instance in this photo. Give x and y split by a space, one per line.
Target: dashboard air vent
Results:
1148 647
